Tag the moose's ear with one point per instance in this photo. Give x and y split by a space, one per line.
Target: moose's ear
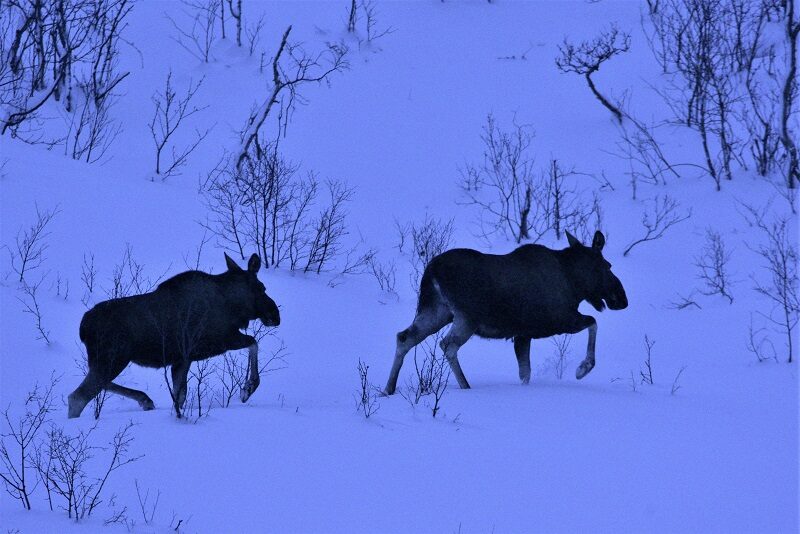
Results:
232 266
599 241
573 241
254 264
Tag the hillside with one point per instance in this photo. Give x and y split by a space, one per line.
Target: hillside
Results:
710 446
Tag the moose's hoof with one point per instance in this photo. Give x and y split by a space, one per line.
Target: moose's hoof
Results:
147 404
584 368
246 391
525 380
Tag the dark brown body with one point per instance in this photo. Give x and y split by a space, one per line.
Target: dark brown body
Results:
190 317
532 292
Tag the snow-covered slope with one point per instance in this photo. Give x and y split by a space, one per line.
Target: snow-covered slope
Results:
718 455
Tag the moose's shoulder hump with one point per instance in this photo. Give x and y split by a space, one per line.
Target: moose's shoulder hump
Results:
531 249
182 278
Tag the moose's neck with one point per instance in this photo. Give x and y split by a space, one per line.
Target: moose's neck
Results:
576 275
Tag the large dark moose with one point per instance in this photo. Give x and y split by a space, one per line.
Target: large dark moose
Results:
530 293
190 317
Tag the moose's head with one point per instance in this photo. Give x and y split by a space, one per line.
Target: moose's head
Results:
596 283
250 294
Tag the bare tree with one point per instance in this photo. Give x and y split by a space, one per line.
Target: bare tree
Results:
63 465
231 376
224 198
269 205
503 184
684 302
647 372
780 263
675 383
30 303
664 215
110 20
516 201
587 58
713 266
298 69
92 130
646 159
429 238
31 244
196 32
440 375
369 14
329 229
129 278
62 284
759 344
18 441
253 34
561 346
170 112
760 117
385 274
147 506
723 78
201 394
790 90
276 360
366 397
563 208
88 277
52 46
427 372
352 17
235 7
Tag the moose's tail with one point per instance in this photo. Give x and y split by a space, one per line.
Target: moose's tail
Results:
83 331
428 292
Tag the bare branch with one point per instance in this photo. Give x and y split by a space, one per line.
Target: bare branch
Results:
587 58
31 243
664 215
713 266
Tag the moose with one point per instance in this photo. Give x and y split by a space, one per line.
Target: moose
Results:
530 293
189 317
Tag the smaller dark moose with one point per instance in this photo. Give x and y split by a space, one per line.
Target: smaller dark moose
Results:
530 293
190 317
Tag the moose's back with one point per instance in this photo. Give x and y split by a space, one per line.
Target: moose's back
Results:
526 292
185 316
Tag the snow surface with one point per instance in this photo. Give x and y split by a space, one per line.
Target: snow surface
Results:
720 455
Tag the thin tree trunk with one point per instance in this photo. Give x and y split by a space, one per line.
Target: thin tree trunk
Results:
792 30
602 99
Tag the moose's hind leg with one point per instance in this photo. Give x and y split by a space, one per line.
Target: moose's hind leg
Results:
139 396
101 373
455 338
84 393
426 322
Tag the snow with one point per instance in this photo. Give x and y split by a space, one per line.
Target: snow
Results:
718 455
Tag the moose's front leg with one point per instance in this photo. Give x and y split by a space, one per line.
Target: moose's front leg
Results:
254 379
241 341
588 363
